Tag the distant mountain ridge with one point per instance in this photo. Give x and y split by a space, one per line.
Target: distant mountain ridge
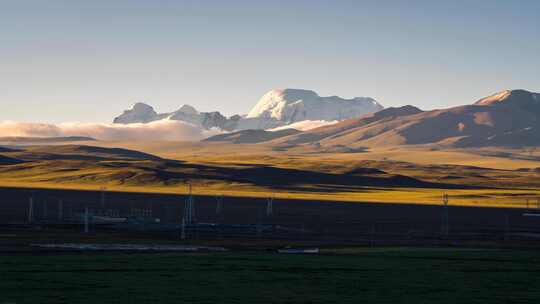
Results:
276 108
508 118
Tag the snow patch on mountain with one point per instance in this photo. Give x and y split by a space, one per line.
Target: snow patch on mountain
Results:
497 97
306 125
515 98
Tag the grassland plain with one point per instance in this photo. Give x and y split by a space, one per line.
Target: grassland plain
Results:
488 157
507 178
381 275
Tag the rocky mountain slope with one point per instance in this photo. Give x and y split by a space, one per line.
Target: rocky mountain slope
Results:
251 136
509 118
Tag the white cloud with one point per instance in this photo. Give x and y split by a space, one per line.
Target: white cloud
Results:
156 130
305 125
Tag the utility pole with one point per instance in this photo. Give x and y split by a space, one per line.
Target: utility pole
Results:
219 204
270 206
183 229
103 189
189 212
506 226
372 234
60 209
86 220
258 227
31 209
445 226
45 210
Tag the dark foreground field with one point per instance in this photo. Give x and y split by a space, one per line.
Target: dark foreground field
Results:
365 276
313 223
366 270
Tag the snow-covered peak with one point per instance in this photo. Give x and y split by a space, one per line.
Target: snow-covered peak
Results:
141 107
140 112
272 103
293 105
187 109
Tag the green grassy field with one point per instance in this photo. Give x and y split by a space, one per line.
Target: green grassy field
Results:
359 276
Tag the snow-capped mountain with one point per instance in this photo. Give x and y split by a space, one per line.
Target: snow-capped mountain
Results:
140 113
510 118
143 113
277 108
294 105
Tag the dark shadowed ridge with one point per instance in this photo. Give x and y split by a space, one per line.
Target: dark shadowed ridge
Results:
4 149
4 160
81 152
118 152
43 140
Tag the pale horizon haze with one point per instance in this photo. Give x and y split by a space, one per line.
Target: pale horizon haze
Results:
87 61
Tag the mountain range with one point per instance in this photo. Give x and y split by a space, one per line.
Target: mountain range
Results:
508 118
277 108
143 113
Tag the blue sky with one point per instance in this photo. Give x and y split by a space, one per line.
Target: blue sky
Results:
89 60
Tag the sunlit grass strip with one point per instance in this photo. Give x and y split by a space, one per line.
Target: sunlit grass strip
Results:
516 198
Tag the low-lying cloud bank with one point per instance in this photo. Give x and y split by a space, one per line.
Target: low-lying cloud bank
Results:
156 130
